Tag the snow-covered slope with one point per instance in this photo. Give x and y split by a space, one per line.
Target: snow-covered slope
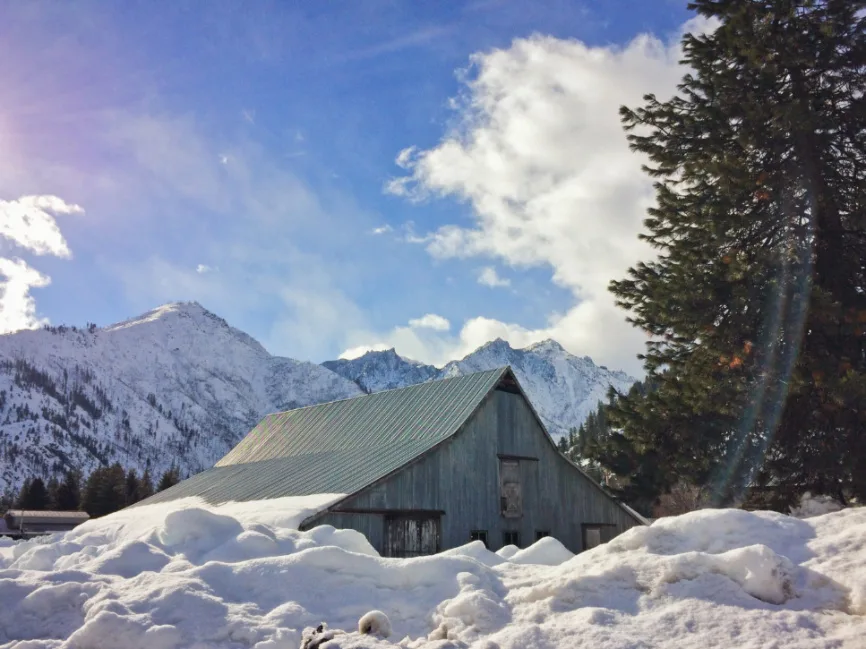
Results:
563 388
183 574
175 385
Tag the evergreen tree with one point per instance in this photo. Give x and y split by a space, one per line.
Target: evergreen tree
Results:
52 487
7 500
33 495
145 485
105 491
68 496
133 488
92 494
756 305
170 478
562 444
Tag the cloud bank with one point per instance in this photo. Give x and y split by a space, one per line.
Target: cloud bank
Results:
539 155
28 224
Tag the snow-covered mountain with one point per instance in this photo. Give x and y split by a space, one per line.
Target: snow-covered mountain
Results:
564 388
175 385
178 385
385 370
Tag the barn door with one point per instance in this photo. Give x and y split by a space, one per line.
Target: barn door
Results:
406 536
510 494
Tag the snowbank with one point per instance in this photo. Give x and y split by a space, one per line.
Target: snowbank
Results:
815 506
547 551
187 575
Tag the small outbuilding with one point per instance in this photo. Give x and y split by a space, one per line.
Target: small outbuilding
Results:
25 523
422 469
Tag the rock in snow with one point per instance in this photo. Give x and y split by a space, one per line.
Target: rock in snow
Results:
179 385
184 574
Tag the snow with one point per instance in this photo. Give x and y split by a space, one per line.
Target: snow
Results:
508 551
185 574
815 506
375 623
547 551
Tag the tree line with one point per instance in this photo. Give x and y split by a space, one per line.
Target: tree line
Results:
755 305
106 490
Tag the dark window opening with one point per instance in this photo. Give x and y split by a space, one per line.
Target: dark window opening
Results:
540 534
511 498
511 538
479 535
592 536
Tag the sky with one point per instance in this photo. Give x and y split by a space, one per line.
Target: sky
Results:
331 177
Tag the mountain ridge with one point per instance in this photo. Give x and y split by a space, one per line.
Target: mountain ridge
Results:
563 387
179 385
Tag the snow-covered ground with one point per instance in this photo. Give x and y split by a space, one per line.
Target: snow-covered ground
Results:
241 575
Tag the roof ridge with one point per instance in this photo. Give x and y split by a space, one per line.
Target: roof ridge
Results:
501 369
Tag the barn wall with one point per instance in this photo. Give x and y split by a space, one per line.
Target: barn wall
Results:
461 477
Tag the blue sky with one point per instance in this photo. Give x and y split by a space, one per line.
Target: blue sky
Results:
245 155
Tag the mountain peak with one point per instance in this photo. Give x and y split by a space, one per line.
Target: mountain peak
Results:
497 345
381 370
390 353
548 346
163 312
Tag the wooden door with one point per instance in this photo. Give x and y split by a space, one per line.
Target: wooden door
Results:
406 536
511 496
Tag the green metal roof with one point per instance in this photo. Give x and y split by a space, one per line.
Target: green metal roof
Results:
341 446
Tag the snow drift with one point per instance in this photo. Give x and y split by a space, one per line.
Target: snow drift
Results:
183 574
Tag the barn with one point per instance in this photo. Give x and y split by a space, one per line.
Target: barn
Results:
421 469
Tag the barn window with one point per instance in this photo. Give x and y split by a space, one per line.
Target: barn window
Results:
540 534
592 536
511 499
511 537
479 535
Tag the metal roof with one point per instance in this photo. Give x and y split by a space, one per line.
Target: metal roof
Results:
341 446
48 514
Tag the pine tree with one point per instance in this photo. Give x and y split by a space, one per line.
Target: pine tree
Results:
170 478
52 487
7 500
105 491
33 495
145 485
562 444
68 497
755 306
133 488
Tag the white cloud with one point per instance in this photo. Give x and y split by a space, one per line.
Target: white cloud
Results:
541 158
489 277
28 222
430 321
382 229
249 115
201 269
17 306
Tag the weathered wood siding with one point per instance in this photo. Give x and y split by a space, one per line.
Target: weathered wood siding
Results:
462 478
